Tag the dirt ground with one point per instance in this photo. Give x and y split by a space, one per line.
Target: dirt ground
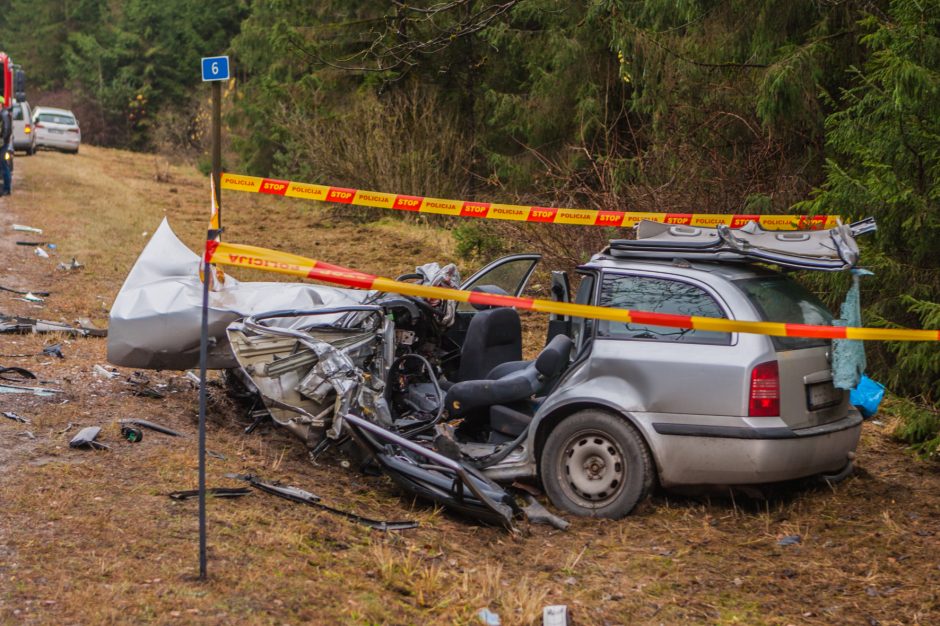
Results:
91 537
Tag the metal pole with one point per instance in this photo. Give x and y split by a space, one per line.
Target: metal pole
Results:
217 144
204 334
203 354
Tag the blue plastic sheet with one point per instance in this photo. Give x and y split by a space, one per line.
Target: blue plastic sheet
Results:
848 355
867 396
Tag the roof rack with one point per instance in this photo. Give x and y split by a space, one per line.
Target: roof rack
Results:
828 250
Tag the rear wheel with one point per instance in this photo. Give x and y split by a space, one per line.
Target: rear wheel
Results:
595 464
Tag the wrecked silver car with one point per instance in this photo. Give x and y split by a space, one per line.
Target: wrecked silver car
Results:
438 394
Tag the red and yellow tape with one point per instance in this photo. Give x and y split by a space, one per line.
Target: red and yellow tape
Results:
513 212
293 265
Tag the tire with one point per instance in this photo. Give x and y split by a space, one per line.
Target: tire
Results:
595 464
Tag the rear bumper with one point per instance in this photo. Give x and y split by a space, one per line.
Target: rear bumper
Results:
720 454
60 142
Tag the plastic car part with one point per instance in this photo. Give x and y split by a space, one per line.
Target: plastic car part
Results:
131 434
152 426
296 494
86 438
215 492
433 476
16 374
538 514
830 250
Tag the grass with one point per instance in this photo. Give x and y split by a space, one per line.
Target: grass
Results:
90 537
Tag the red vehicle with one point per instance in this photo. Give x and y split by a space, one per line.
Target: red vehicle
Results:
7 83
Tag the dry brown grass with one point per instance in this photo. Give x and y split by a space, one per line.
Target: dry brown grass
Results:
90 537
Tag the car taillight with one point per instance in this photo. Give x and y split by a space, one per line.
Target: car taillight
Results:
765 390
28 129
73 130
39 126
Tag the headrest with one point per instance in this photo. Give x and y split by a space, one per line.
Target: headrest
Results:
492 289
553 358
501 326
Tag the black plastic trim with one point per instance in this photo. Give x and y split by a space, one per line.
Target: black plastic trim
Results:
771 432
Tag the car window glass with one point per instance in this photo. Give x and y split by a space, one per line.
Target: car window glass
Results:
55 118
508 276
779 299
17 112
656 295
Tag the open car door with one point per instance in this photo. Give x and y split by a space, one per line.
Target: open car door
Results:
510 274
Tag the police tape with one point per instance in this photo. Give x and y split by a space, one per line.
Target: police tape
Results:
513 212
293 265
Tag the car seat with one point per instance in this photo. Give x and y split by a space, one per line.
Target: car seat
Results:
503 400
493 337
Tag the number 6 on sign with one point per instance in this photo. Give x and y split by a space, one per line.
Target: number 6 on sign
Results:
215 68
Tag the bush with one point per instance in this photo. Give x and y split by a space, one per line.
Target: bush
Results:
477 240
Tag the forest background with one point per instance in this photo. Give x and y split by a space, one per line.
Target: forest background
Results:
752 106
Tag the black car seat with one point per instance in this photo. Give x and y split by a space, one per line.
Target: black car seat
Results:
502 400
493 337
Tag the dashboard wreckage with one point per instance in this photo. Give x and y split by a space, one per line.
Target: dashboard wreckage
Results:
436 393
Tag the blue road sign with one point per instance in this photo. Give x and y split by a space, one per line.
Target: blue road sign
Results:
214 68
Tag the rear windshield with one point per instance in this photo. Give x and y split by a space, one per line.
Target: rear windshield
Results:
779 299
56 118
17 112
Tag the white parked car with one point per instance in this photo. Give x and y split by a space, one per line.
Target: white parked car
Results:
23 136
56 128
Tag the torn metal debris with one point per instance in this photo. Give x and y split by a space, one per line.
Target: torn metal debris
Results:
301 496
33 292
16 418
140 386
87 438
71 266
9 324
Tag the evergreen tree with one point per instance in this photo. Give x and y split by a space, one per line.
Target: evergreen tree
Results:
885 161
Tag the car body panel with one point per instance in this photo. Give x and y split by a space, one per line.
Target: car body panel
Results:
711 459
154 321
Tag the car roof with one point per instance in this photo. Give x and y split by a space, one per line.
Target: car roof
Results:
54 110
728 271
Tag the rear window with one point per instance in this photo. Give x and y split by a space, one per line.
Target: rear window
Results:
56 118
779 299
17 112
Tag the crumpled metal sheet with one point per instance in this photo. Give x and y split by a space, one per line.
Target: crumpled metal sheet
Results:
156 317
